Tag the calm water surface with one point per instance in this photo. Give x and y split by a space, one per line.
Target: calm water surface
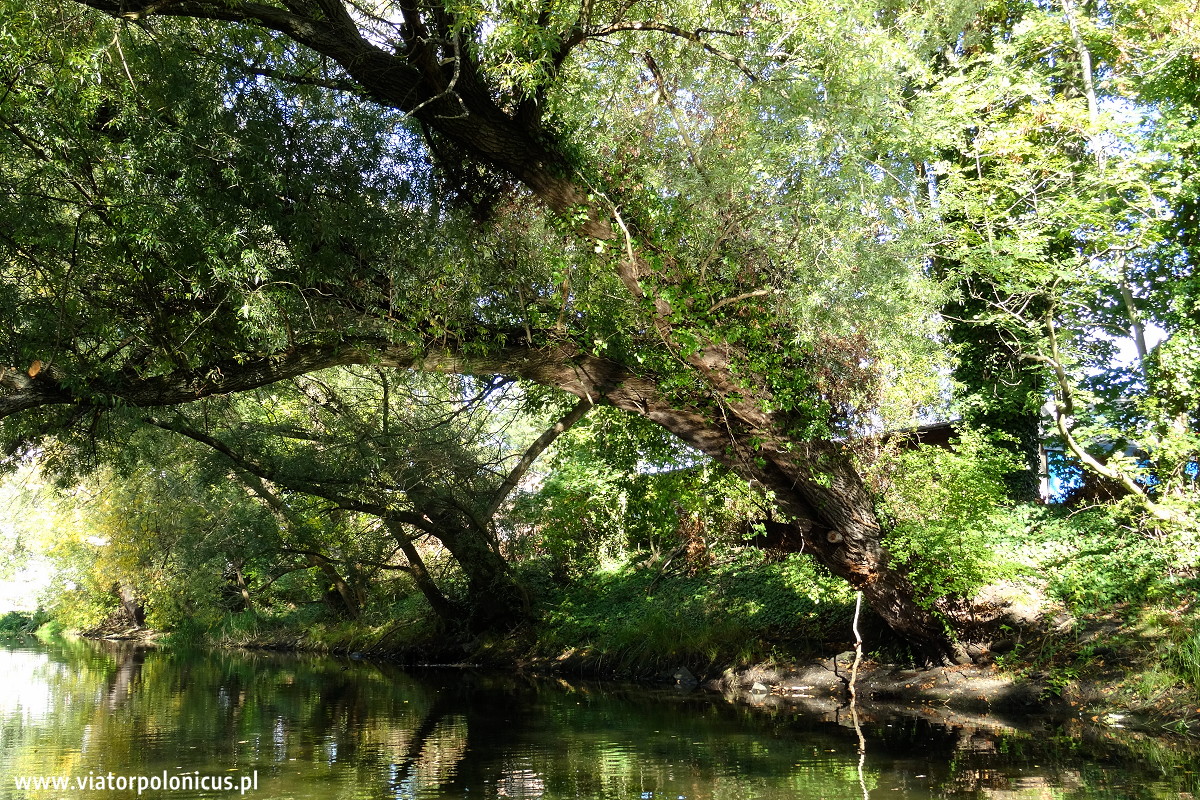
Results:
323 728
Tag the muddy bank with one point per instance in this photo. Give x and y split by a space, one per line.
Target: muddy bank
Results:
979 695
966 687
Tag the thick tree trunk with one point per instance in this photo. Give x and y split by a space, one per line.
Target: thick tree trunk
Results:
813 482
855 557
834 521
132 605
495 601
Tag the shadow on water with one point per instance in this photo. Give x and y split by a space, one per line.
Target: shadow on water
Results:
319 727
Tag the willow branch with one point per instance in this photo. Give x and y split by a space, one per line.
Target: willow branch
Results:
696 36
533 451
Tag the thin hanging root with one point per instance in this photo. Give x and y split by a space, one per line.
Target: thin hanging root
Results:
862 741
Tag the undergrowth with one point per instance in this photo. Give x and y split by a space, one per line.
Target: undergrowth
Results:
1128 591
21 623
633 619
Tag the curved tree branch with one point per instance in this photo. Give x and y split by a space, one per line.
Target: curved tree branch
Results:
533 451
468 116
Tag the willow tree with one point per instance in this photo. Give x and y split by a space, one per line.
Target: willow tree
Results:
709 214
427 457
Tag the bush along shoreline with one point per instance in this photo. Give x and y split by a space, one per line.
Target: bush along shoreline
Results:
1088 621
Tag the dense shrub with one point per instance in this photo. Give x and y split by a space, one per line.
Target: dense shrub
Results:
744 607
944 507
21 623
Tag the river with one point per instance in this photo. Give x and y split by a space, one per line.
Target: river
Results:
174 724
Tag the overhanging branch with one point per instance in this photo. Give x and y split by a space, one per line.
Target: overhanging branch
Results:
534 450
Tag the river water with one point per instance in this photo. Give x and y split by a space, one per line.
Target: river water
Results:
285 726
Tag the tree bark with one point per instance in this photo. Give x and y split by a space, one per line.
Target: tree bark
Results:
348 601
347 597
132 605
240 582
445 610
445 93
495 602
513 479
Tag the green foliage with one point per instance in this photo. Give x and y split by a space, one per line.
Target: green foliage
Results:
79 608
165 532
1093 563
52 630
636 618
944 506
21 623
795 191
1097 561
617 484
1058 188
187 632
1183 657
1173 373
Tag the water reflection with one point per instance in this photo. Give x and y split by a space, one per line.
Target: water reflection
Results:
26 691
314 727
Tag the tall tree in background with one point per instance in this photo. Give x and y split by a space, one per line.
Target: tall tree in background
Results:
1061 197
1167 284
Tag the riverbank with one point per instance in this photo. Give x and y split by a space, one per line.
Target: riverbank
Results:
1107 695
1101 639
1093 673
962 694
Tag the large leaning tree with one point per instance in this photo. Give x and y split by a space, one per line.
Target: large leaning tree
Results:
710 214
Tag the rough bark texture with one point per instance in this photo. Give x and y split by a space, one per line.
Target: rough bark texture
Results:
239 580
432 77
495 602
340 596
132 605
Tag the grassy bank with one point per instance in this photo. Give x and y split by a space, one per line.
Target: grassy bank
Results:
1097 616
1094 608
633 618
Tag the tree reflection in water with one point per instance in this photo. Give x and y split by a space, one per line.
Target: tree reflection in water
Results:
318 727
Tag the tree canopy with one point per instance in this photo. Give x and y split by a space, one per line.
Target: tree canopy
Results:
764 227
